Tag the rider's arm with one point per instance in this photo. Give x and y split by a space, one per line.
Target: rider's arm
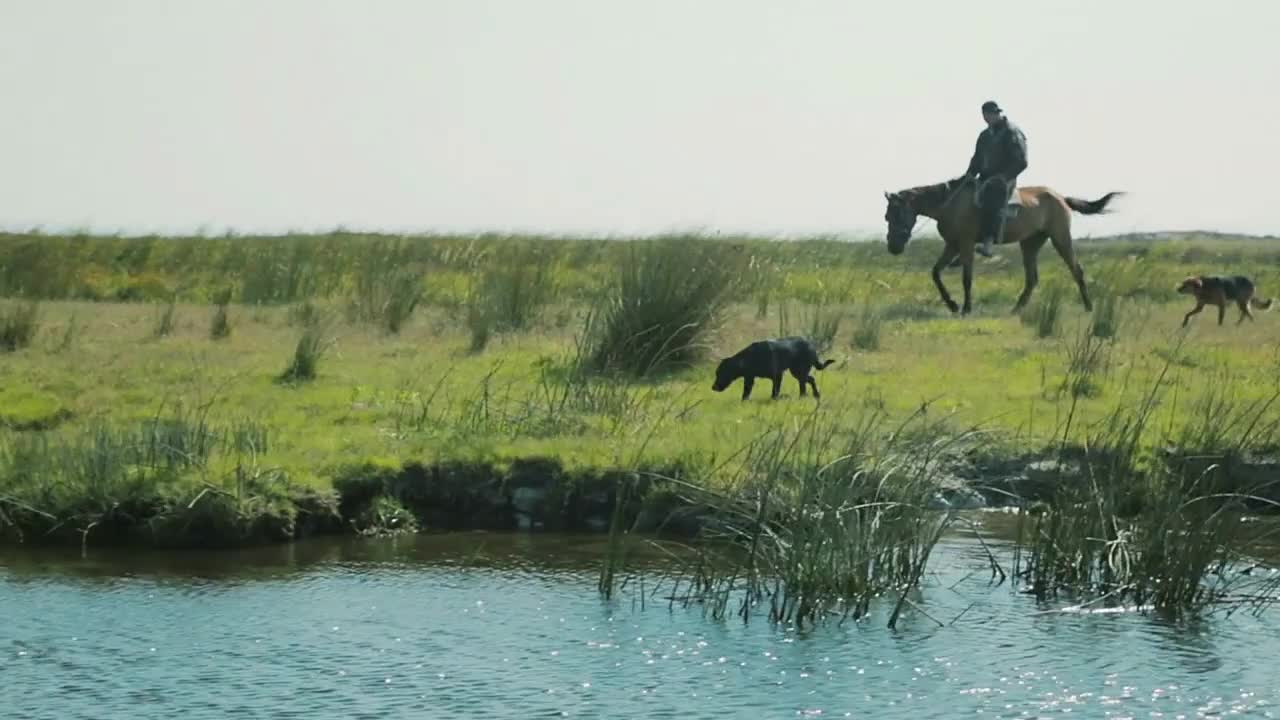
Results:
975 163
1017 153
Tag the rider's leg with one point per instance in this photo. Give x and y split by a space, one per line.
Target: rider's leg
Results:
995 230
990 225
994 195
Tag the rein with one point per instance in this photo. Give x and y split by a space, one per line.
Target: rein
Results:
952 195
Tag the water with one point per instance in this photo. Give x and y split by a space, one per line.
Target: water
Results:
510 626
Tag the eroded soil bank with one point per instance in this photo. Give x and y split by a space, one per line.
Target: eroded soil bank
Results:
540 495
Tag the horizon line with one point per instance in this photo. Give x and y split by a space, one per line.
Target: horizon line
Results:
204 232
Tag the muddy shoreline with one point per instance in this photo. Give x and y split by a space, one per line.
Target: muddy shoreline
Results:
538 495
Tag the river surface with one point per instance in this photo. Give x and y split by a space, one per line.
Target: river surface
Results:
483 625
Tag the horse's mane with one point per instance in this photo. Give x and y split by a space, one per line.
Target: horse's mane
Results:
930 195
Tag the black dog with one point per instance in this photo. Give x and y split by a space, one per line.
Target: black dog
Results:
770 359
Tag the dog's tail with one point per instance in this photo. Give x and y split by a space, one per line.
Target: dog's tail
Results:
1261 304
1091 207
823 365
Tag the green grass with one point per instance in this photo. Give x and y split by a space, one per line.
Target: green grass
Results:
866 335
18 325
496 349
166 319
220 324
1135 528
1044 315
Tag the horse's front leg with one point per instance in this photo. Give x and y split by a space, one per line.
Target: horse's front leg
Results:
948 254
966 277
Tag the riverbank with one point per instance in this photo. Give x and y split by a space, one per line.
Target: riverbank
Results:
537 495
286 387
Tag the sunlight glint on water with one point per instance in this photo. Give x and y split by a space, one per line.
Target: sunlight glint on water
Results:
483 625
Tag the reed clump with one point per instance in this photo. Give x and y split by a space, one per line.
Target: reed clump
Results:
821 520
1128 525
19 323
314 341
668 296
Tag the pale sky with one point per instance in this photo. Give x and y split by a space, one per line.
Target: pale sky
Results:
622 116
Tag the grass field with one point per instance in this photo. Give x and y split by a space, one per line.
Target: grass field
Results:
185 368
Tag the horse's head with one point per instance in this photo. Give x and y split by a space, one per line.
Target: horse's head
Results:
902 220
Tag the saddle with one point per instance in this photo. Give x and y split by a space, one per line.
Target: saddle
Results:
1012 205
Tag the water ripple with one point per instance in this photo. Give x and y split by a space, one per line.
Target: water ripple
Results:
487 627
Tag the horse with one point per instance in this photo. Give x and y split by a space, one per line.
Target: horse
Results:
1041 214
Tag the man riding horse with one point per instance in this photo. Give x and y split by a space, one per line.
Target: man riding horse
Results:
967 212
999 157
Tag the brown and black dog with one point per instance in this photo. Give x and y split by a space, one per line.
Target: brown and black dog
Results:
1220 290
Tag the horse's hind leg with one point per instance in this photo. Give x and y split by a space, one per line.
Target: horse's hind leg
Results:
1030 254
1062 243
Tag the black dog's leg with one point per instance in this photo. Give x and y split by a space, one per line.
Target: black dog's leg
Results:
747 382
1187 318
1222 312
814 384
777 385
800 378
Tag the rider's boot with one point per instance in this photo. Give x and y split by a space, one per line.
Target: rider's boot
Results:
992 229
985 248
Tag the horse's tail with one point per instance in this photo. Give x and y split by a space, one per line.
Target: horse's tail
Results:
1091 207
1261 304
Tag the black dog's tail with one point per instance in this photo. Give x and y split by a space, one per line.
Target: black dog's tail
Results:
822 365
1091 207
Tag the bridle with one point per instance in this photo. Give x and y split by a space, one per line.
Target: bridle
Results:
951 196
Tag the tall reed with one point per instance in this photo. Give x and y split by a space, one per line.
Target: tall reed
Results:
668 296
822 519
1124 526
